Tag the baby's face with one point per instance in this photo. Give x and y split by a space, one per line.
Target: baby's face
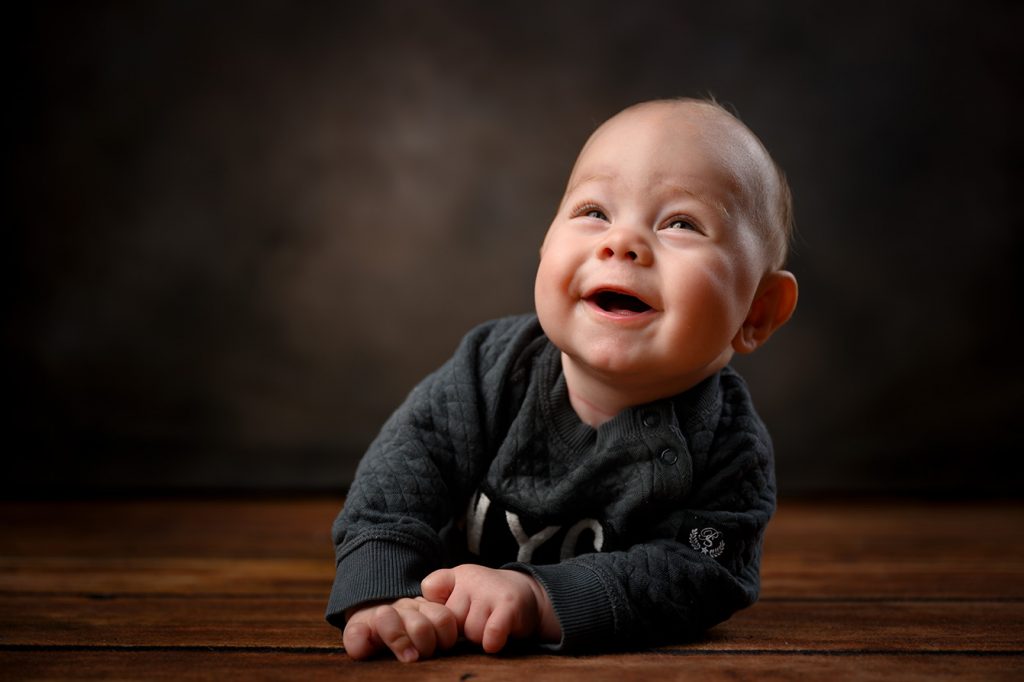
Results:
652 261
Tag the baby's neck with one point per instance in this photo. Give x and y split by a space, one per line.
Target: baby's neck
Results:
596 399
591 413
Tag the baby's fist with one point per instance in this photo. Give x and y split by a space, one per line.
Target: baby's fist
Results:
491 605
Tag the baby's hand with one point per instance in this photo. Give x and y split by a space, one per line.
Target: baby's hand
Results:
492 605
410 628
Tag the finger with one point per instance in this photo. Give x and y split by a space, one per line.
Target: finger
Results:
390 629
358 640
497 629
476 620
445 625
438 586
459 604
420 631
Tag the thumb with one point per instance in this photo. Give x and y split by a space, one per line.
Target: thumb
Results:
438 586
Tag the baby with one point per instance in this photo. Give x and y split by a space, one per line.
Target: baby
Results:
594 475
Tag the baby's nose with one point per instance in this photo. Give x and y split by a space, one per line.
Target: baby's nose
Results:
626 244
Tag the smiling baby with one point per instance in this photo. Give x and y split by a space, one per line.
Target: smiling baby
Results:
593 476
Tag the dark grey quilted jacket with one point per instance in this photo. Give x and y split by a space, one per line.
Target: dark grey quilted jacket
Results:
644 531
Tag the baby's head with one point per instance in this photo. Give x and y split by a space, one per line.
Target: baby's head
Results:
665 255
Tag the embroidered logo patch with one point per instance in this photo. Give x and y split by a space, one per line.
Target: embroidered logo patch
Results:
704 542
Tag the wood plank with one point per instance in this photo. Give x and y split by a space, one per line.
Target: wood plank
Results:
169 528
813 550
837 531
171 576
873 626
782 577
877 578
221 665
895 549
34 620
149 621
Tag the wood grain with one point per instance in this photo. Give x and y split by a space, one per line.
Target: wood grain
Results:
223 665
169 528
206 589
102 576
289 622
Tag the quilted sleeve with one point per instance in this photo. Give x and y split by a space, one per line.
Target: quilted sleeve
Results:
416 474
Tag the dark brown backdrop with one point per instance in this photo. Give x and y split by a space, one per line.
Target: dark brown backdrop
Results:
237 237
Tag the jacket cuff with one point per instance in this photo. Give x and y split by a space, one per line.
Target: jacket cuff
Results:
581 601
376 570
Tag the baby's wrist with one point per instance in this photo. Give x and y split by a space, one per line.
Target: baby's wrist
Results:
367 606
548 627
352 611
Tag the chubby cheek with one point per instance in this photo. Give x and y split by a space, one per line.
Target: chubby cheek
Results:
555 272
547 296
715 298
544 285
554 291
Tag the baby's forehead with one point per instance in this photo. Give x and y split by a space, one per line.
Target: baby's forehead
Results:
691 120
677 137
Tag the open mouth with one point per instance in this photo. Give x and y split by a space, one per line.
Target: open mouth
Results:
618 303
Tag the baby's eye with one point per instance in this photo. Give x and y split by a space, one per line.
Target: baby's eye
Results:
589 210
681 224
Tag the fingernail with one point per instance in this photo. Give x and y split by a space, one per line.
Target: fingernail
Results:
410 655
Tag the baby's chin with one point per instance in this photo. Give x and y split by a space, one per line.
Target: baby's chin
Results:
623 369
612 365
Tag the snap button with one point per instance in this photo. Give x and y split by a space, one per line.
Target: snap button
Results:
651 419
668 456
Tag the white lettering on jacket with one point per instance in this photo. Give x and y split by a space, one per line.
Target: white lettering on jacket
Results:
528 544
479 504
569 544
475 515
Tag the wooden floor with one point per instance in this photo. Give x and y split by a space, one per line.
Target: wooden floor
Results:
188 589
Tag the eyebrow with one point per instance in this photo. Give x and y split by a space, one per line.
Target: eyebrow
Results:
677 189
699 196
589 178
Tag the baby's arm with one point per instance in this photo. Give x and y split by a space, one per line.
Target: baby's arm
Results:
410 628
419 471
491 605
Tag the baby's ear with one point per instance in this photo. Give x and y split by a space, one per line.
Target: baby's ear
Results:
773 305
